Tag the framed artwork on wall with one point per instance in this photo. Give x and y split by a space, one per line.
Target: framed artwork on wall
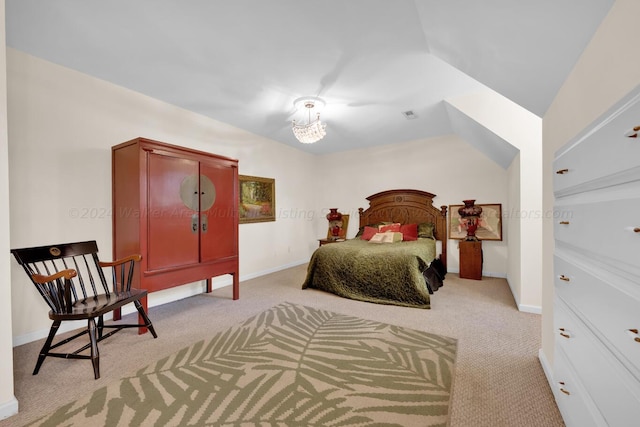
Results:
257 199
489 226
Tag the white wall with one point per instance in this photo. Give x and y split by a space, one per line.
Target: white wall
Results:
512 223
62 125
8 402
523 130
608 70
446 166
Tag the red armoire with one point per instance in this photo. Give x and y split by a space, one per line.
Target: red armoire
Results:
178 208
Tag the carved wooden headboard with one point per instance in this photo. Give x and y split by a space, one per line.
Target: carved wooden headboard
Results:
407 207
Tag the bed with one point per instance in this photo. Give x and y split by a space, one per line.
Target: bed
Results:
386 273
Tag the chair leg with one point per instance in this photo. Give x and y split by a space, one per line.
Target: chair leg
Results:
47 345
144 316
100 327
95 355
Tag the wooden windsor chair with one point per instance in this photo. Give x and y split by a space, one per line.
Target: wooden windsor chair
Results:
72 281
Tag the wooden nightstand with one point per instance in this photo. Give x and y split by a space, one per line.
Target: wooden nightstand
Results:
327 241
471 260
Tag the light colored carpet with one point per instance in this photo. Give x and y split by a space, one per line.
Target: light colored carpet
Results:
498 378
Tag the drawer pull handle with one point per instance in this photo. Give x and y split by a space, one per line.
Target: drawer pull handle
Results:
563 334
636 230
634 334
562 171
565 278
634 133
562 388
564 222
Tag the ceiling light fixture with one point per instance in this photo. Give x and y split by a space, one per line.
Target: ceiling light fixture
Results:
312 131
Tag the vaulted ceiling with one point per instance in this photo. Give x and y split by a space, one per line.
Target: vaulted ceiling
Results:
244 62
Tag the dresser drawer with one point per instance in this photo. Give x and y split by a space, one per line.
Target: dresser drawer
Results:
612 312
604 152
607 382
576 407
605 228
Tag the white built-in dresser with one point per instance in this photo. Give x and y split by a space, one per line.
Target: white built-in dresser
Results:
596 368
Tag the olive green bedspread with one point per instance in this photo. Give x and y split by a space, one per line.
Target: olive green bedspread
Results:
386 273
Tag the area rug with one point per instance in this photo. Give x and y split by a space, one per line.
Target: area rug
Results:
288 366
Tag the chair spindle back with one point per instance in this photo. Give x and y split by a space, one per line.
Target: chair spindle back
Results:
82 257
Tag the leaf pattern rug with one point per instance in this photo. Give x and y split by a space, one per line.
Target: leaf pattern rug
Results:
288 366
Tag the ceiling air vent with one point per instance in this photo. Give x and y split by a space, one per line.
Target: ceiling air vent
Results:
409 115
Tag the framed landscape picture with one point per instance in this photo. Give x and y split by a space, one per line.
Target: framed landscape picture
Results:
489 227
257 199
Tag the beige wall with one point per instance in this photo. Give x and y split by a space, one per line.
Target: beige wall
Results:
8 403
608 70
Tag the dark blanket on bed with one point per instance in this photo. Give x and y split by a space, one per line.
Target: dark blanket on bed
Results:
386 273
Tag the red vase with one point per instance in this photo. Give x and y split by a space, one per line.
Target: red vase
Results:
334 215
469 215
335 222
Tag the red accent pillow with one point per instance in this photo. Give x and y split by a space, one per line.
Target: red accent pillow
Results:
391 227
409 232
368 233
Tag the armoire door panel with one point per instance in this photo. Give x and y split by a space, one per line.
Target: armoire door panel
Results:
173 226
218 226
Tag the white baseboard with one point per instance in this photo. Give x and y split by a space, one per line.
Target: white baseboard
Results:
548 373
546 367
535 309
156 299
484 273
8 408
492 274
42 333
